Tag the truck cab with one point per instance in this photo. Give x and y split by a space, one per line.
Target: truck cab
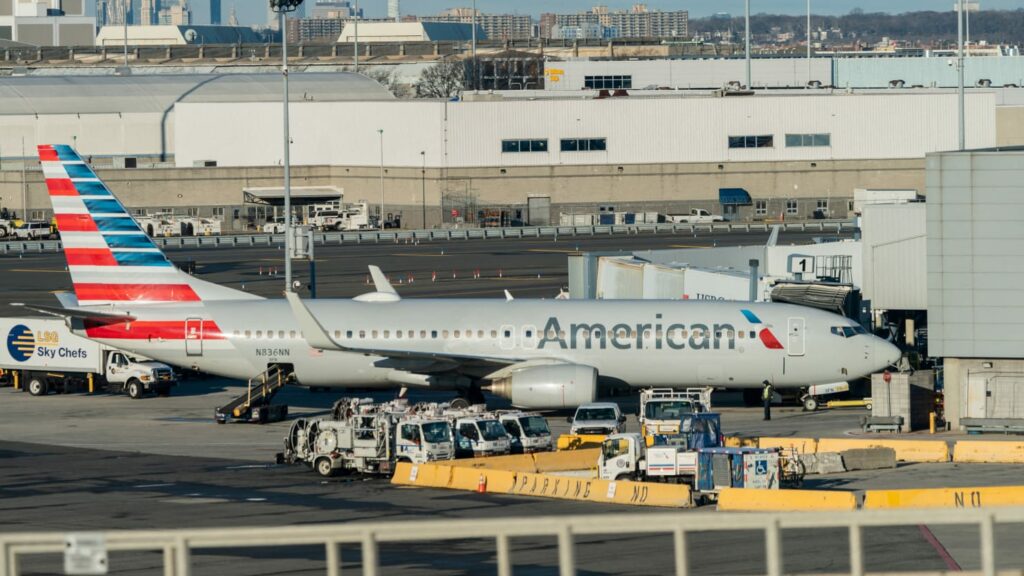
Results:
598 418
622 457
137 378
528 432
421 440
477 436
662 409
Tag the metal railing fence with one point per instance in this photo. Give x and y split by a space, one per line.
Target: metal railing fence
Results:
177 545
377 236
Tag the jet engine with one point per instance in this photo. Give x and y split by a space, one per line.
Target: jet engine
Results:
548 387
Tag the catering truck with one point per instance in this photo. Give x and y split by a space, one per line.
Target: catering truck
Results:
42 355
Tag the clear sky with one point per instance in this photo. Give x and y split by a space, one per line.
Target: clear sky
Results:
254 11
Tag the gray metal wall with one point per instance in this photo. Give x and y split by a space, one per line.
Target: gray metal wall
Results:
975 254
895 256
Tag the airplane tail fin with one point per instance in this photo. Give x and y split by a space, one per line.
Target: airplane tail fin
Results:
111 260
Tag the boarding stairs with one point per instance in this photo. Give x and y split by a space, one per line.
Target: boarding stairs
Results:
254 405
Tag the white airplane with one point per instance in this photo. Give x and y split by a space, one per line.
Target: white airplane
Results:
537 353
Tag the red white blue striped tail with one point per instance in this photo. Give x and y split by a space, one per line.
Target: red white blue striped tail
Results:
110 258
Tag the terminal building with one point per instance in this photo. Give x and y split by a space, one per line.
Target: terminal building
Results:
791 154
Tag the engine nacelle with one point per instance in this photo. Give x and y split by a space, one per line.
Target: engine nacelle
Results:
548 387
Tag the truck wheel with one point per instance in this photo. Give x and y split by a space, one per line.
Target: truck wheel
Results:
3 232
37 385
324 467
810 404
459 404
134 389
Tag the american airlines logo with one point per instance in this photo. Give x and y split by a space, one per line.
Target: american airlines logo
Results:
656 335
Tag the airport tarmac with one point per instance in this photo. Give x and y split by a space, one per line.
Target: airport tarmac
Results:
107 462
529 268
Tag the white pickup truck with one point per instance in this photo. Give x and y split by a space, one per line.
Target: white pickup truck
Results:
696 216
42 355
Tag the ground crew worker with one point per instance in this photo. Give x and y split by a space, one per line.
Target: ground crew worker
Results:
766 395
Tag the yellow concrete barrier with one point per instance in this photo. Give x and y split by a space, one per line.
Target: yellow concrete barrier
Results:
738 442
945 497
906 450
989 451
425 475
753 500
585 459
801 445
578 441
515 462
603 491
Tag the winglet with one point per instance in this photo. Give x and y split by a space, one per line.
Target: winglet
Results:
380 281
313 332
508 296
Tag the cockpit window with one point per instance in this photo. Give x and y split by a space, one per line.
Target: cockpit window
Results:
848 331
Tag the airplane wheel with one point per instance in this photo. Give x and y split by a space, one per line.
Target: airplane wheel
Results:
459 403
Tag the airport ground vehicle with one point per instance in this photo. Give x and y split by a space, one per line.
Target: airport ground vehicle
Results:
43 356
478 433
275 226
367 438
528 431
8 222
674 459
598 418
662 409
696 216
169 224
32 231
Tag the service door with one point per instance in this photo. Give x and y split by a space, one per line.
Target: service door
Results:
194 337
538 210
795 341
977 396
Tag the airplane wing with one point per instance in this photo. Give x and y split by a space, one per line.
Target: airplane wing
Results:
318 337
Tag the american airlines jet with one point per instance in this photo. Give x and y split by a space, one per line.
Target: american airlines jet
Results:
537 353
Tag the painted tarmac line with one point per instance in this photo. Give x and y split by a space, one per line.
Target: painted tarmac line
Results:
950 562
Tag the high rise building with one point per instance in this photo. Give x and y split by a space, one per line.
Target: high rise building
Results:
333 9
215 12
101 13
496 26
176 15
394 12
148 10
637 22
233 16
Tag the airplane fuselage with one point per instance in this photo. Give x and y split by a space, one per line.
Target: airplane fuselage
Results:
638 343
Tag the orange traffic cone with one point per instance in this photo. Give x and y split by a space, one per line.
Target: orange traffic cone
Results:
481 485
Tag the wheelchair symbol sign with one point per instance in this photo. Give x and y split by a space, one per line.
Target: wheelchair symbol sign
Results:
761 468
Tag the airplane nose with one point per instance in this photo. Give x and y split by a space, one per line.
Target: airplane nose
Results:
886 352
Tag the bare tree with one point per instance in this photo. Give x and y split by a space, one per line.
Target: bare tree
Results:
389 79
442 80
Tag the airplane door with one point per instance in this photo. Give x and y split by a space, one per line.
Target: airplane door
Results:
795 341
194 337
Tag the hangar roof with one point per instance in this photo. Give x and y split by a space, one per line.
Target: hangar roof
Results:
160 92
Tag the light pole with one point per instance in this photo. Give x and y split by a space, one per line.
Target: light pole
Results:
282 7
380 132
124 16
355 31
746 34
475 84
809 42
423 186
960 69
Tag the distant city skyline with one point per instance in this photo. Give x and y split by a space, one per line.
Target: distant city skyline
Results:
251 12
